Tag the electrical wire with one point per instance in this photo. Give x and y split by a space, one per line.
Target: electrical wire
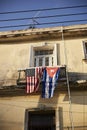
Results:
43 17
45 9
44 23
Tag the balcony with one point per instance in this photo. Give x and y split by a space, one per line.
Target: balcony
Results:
20 88
21 82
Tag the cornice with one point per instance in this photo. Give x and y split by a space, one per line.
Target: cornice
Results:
53 33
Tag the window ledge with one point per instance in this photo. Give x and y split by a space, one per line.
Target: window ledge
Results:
85 60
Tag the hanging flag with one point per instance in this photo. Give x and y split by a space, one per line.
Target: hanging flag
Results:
33 76
49 79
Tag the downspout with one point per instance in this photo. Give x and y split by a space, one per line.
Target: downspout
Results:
67 77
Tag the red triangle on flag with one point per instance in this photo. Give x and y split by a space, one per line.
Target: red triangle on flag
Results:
51 71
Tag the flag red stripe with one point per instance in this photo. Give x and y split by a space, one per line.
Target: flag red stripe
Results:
33 81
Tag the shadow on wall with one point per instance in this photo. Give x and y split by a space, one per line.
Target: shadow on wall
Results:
45 115
73 76
49 104
78 97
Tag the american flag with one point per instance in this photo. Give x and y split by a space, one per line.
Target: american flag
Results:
33 76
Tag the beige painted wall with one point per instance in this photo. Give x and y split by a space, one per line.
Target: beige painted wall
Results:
12 109
14 56
75 54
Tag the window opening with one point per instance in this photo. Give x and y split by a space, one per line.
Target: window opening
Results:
47 61
41 120
43 57
40 61
85 49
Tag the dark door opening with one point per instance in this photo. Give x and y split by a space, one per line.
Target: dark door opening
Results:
41 120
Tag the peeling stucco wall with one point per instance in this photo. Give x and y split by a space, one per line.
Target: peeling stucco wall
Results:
12 58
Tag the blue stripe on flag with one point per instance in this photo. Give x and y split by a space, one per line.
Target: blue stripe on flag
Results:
49 83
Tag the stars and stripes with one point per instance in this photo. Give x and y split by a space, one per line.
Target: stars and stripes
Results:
48 76
33 79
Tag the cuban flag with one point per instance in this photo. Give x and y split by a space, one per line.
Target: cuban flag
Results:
49 80
33 76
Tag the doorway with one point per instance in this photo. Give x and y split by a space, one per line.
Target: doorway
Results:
41 120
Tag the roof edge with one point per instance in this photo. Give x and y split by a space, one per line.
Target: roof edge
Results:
41 30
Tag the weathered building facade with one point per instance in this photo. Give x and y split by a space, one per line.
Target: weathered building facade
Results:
57 46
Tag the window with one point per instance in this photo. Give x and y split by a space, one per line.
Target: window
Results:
46 55
43 58
85 49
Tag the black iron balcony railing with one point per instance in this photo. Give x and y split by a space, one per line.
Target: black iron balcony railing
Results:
22 75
